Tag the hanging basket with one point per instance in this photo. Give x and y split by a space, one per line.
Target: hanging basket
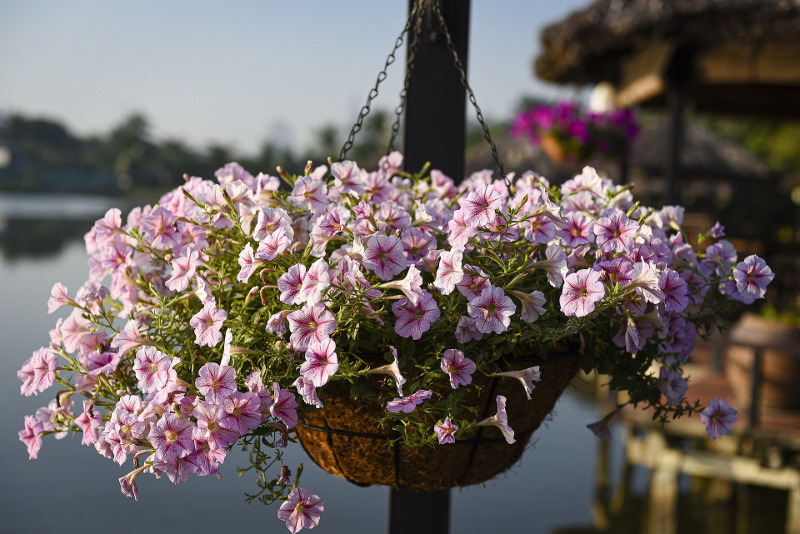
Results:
344 439
553 149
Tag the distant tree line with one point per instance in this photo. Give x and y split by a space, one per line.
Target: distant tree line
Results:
43 154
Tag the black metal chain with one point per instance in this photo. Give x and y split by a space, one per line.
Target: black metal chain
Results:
451 47
413 43
374 91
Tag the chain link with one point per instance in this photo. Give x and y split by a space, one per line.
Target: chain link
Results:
374 91
413 43
413 28
451 47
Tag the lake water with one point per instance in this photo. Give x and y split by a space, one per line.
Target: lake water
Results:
72 489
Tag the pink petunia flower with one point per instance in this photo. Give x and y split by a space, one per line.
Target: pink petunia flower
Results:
480 204
88 422
321 362
207 324
301 510
615 232
415 319
539 229
313 322
242 412
392 370
183 269
473 282
102 363
645 280
449 272
752 277
460 232
58 298
216 382
446 431
532 304
129 338
290 283
718 417
74 327
284 406
458 367
411 285
178 468
385 256
527 377
31 436
576 230
247 262
270 221
466 330
580 293
674 288
316 280
672 385
273 245
417 243
554 264
492 310
208 417
393 216
171 437
500 420
348 178
159 229
307 391
154 369
38 372
408 404
310 193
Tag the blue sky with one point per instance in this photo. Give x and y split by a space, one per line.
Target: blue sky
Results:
239 72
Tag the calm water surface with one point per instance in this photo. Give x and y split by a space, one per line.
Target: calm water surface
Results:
72 489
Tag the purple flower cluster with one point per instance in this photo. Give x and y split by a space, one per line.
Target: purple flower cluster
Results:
580 133
196 303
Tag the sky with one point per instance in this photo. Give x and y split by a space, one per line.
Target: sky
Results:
237 73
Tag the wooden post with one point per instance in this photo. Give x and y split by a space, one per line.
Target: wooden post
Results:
434 116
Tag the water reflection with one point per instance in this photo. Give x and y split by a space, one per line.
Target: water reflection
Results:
39 226
33 238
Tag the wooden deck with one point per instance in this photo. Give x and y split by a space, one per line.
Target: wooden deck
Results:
764 449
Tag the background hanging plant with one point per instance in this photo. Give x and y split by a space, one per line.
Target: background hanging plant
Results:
581 135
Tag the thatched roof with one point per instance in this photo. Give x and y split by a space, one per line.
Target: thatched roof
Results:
589 46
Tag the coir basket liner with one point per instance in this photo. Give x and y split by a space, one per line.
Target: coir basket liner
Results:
344 439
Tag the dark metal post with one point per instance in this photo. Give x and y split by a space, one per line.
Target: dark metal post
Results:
755 387
419 512
435 129
676 79
435 125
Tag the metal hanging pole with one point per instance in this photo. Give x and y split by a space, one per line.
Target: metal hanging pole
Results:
435 125
435 131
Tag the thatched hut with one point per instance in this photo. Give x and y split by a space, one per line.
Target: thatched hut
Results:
719 56
730 56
